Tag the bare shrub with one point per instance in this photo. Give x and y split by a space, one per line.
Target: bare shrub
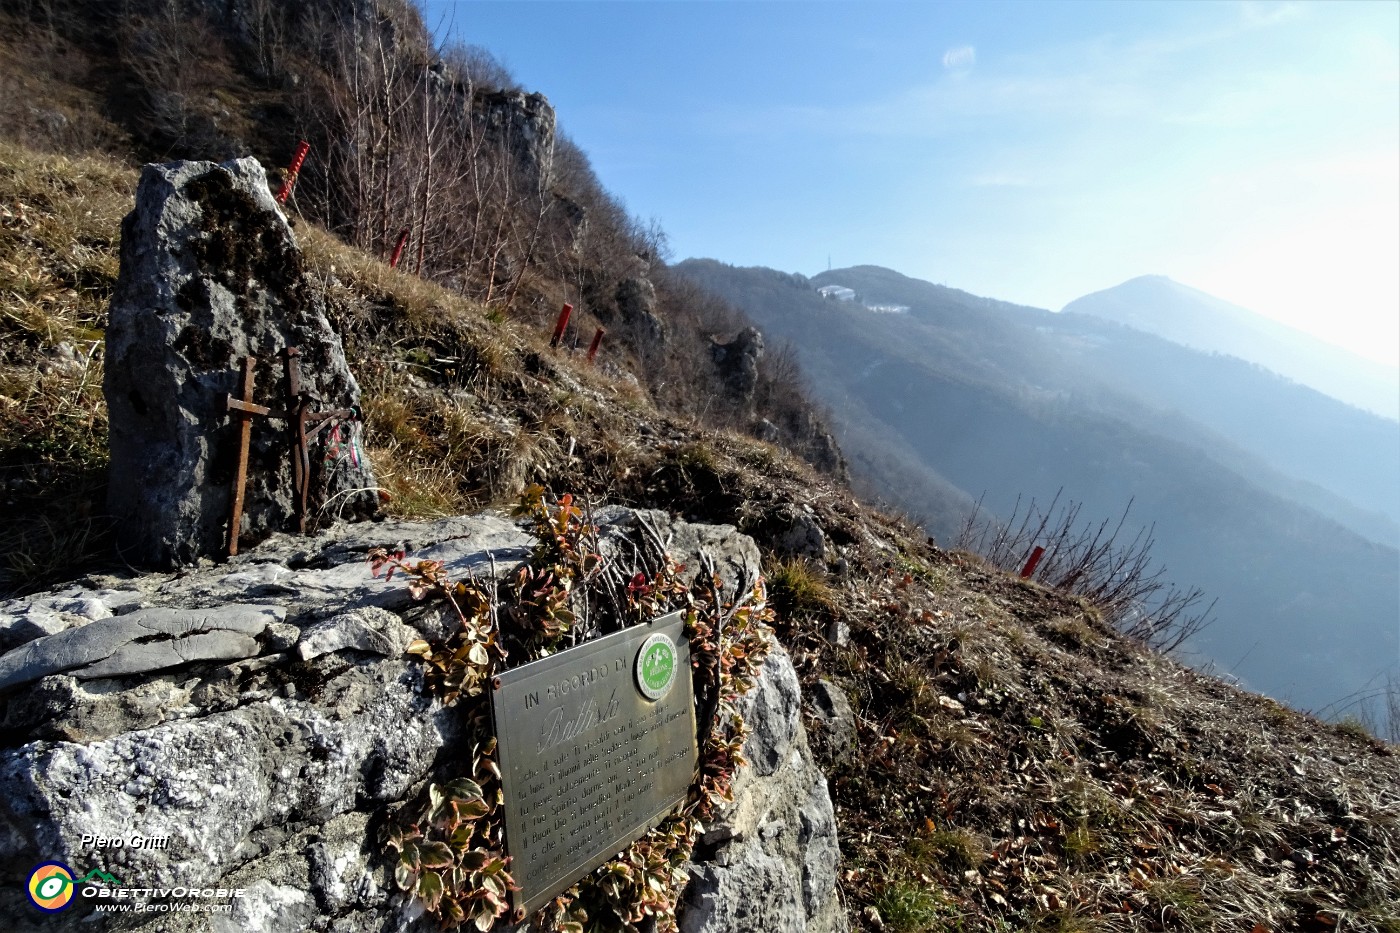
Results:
1094 562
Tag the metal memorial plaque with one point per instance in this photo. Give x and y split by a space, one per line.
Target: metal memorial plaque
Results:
596 745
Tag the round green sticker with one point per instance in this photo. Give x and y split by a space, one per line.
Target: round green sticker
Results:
656 666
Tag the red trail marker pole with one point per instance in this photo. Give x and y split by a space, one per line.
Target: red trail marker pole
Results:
290 181
1033 562
398 250
593 347
559 327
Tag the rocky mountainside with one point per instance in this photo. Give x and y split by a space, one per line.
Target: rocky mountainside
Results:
1321 444
996 757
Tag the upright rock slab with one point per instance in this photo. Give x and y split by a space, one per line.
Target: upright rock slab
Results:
210 274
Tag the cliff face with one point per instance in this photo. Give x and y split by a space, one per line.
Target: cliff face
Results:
223 79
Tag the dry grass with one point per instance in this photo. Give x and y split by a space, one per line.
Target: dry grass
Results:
47 100
798 588
59 219
1066 779
355 276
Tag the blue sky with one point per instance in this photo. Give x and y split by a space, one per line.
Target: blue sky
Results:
1032 152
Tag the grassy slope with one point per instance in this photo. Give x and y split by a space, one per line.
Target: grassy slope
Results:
59 227
1016 765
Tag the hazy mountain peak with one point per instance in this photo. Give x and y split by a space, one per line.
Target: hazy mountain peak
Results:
1158 305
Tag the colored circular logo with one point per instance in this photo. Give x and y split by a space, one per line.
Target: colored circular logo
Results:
51 887
656 666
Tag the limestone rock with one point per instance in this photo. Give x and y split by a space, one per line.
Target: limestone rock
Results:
775 852
273 773
726 897
838 632
210 784
738 363
838 721
148 640
766 430
522 125
636 306
62 707
210 273
773 713
795 533
735 556
824 453
23 620
818 447
370 629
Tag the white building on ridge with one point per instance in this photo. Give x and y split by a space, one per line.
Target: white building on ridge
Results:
839 292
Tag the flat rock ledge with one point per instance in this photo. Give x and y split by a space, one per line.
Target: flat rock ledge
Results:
258 718
146 640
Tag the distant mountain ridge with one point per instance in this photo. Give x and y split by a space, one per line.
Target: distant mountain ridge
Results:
1298 430
1270 495
1184 315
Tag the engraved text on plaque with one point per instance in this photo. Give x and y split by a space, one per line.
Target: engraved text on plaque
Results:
596 745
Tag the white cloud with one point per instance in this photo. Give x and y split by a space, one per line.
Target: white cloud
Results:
960 59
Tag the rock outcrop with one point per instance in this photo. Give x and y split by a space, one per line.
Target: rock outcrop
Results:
795 532
636 306
769 863
822 451
737 361
523 125
211 274
265 757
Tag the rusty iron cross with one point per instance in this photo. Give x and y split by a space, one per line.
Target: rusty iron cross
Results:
298 415
245 411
